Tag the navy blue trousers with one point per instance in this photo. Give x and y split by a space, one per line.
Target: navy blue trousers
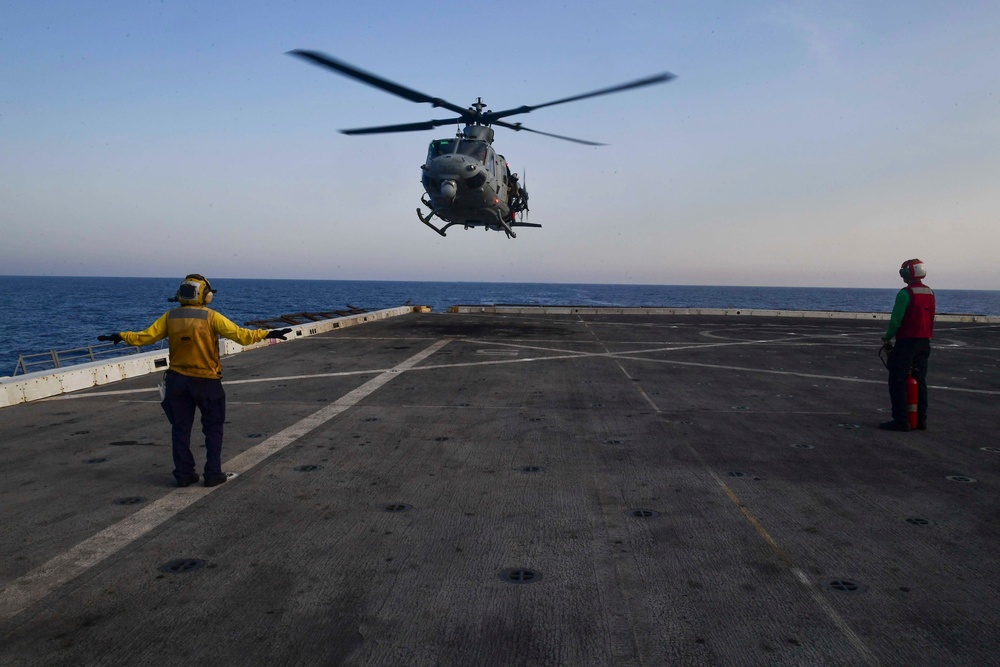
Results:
183 395
907 354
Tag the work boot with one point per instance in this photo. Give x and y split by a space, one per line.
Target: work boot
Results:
187 480
894 425
215 481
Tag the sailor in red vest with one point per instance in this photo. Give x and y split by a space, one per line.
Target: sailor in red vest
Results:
912 324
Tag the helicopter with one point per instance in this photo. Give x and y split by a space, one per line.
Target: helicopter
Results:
466 182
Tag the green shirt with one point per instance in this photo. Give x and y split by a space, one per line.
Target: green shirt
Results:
898 311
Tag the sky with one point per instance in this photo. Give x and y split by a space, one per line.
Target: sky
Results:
803 143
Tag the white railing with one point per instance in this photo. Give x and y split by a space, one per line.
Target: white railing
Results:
45 384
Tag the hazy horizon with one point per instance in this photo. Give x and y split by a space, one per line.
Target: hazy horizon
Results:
501 282
802 144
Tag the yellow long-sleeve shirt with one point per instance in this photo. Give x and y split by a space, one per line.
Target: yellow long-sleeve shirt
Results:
193 334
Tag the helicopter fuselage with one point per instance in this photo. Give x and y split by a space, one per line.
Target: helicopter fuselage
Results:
465 181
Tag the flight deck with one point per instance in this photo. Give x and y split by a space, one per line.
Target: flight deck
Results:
521 486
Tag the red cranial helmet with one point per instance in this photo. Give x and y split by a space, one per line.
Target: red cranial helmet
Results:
912 269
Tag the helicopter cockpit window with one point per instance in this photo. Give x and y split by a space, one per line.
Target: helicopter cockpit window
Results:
476 149
440 147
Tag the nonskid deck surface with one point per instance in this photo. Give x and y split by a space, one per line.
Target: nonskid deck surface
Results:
445 489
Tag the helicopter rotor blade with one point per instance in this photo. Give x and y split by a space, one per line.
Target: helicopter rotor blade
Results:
517 127
326 61
639 83
404 127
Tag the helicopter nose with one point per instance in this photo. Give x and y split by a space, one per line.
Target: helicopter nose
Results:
448 190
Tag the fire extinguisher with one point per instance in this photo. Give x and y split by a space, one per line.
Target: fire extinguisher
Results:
911 400
912 392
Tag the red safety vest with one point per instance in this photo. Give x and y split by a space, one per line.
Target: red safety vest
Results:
918 322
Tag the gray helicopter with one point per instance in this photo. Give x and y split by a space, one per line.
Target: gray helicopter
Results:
466 182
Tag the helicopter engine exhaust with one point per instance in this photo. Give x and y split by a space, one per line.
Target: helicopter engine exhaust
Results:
449 190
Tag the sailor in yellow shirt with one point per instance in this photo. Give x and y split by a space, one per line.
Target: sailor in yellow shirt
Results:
194 377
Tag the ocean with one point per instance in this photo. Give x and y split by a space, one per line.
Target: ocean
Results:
38 314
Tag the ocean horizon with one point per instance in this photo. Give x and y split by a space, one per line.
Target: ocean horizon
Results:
43 313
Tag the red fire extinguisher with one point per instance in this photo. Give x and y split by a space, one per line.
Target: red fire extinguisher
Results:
912 392
911 400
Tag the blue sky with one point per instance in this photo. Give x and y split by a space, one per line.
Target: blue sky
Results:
803 143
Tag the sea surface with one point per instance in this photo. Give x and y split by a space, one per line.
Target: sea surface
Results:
39 314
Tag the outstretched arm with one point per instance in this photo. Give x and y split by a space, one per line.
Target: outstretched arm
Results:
156 331
226 328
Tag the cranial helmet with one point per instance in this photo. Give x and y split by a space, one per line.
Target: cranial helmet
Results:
194 291
912 269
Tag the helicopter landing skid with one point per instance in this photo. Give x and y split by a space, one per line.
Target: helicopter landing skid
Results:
506 228
500 225
427 221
